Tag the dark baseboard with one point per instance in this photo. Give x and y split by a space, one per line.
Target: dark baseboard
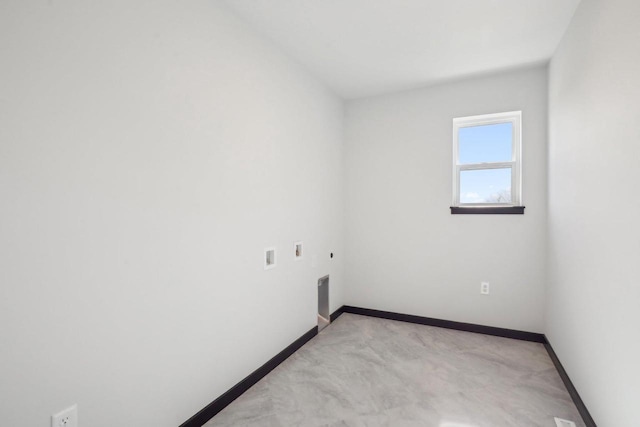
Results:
449 324
487 330
337 313
199 419
232 394
584 412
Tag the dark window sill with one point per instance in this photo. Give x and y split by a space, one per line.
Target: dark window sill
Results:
488 210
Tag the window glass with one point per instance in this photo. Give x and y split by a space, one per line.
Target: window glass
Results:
485 143
485 186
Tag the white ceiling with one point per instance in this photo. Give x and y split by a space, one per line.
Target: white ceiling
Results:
366 47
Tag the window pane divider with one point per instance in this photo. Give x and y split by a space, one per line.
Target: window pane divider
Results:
480 166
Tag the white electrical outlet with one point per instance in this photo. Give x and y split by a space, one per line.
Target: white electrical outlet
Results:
484 288
66 418
564 423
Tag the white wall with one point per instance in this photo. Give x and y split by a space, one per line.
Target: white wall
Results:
149 151
594 237
405 251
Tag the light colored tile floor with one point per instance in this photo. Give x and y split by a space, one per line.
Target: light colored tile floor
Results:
364 371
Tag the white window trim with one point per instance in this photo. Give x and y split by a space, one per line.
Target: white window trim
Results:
513 117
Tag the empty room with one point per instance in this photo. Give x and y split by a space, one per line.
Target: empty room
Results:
319 213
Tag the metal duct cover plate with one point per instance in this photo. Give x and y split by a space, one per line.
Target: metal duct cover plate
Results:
564 423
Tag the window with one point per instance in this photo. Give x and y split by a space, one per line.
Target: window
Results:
486 164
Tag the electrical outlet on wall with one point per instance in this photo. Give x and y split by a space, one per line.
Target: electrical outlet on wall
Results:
484 288
66 418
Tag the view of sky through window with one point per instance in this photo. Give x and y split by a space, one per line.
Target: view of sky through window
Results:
485 186
487 143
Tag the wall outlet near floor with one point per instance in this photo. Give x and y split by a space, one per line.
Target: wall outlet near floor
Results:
564 423
484 288
66 418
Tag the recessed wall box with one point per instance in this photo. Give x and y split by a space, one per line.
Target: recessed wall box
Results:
269 258
297 251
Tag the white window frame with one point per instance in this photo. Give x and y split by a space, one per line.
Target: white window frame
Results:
513 117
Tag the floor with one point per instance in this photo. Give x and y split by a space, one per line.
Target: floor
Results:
365 371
